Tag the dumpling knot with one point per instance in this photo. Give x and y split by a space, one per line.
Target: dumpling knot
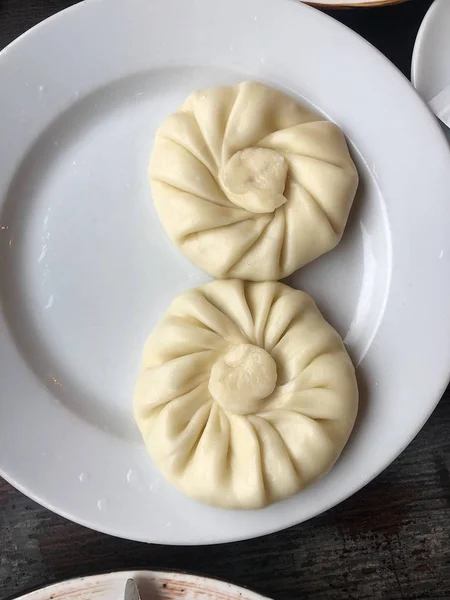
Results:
242 378
255 179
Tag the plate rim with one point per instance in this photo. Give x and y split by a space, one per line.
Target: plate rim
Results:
359 4
418 43
126 573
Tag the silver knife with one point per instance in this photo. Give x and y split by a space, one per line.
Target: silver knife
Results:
131 590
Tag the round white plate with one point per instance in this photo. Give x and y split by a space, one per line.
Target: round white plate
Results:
87 270
153 585
430 72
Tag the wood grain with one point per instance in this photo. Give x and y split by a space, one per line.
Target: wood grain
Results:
388 542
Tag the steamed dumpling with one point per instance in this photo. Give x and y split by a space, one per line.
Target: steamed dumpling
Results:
246 395
250 184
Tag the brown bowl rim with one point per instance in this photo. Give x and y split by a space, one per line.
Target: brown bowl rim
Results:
345 4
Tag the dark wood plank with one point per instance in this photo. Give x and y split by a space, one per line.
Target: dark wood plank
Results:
390 541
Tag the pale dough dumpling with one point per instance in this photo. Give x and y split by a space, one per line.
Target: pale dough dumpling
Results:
246 395
250 184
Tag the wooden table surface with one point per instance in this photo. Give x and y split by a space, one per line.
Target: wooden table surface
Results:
389 541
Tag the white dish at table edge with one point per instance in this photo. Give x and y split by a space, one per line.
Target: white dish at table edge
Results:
153 585
87 269
430 68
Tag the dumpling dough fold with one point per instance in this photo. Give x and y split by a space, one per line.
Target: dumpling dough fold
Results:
246 394
250 184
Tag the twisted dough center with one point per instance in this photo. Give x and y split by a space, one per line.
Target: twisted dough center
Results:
255 179
242 378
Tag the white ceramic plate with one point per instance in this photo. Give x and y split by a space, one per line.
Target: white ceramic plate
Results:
87 270
430 70
153 585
